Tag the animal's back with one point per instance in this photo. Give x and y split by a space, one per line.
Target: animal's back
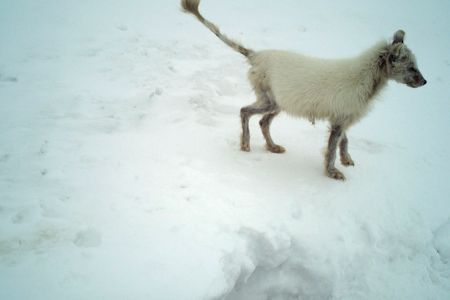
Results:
310 87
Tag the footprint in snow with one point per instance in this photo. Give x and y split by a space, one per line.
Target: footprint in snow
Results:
44 148
50 209
4 78
158 92
24 216
4 157
88 238
122 27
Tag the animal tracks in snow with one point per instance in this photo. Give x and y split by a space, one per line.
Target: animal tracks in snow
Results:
157 92
442 243
131 141
5 78
24 216
88 238
4 157
122 27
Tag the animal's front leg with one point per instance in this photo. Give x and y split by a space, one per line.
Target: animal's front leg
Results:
330 156
346 160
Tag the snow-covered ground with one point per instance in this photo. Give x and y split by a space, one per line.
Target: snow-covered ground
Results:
121 175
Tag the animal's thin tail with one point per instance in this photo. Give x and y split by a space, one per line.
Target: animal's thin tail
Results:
191 7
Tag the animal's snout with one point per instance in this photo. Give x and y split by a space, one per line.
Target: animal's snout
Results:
418 81
422 82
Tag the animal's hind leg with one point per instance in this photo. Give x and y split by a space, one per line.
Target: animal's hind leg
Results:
265 127
346 160
245 136
261 106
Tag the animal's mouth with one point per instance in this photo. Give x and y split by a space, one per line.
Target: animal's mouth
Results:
417 84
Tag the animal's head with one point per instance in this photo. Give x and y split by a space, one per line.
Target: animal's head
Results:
402 65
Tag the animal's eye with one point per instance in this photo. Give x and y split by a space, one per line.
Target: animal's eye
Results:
392 58
411 69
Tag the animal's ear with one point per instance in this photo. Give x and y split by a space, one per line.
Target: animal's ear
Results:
397 49
398 37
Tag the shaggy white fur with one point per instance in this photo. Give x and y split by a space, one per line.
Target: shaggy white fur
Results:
340 91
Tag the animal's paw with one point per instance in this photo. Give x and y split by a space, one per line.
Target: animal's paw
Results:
245 148
336 174
347 161
276 149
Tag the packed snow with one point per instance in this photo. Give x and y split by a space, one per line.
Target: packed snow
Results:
121 175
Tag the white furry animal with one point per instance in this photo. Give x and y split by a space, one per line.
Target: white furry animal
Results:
340 91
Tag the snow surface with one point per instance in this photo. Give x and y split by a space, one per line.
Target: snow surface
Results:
121 175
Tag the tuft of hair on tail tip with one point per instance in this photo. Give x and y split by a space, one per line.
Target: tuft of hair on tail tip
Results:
190 6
